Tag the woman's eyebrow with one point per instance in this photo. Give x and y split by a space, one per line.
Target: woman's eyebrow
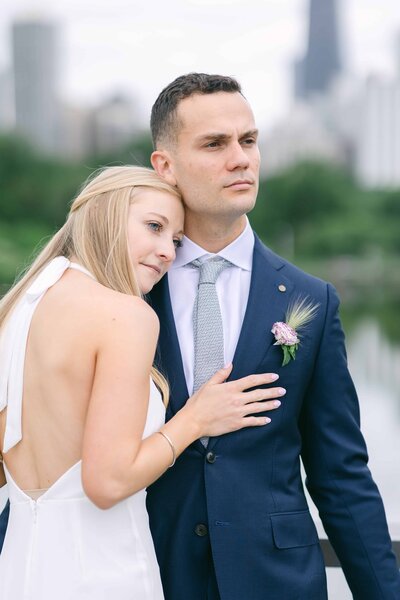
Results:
161 217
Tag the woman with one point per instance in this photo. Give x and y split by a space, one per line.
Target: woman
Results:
82 422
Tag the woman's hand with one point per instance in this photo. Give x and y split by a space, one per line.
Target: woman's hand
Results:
220 407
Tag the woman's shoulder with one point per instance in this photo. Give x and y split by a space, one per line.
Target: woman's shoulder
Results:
112 308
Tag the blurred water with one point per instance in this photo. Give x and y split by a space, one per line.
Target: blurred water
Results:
375 366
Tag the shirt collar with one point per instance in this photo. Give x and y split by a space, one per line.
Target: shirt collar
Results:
239 252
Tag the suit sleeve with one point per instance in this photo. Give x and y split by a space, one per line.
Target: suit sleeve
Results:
338 479
3 524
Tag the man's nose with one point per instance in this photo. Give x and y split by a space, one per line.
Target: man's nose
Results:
238 158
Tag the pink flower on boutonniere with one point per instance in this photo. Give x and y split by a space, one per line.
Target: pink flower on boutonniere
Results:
299 314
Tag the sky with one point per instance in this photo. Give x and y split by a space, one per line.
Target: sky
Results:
138 47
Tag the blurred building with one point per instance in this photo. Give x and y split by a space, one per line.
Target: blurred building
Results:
7 115
378 144
41 117
397 56
35 66
115 122
321 64
315 128
101 129
335 117
300 138
76 132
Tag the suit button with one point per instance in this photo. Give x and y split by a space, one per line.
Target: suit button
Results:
201 530
210 457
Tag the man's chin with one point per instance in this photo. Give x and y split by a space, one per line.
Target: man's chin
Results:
239 206
246 198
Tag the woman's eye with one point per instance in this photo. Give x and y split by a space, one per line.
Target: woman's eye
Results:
154 226
178 243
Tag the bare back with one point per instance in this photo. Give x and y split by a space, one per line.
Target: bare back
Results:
58 376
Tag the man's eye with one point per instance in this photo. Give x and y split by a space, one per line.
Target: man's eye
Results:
154 226
213 145
178 243
249 141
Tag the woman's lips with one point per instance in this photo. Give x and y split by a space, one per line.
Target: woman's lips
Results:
153 268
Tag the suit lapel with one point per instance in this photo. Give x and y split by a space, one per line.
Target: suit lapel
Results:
268 301
266 304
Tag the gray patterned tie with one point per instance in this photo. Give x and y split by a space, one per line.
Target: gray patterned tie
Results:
207 323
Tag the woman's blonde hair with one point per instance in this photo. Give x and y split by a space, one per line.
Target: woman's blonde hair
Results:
95 232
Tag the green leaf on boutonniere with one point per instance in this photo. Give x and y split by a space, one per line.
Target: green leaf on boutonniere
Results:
286 355
289 352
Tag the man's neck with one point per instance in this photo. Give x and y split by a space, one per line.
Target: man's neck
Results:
214 234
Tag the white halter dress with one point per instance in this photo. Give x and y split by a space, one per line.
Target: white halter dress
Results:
61 546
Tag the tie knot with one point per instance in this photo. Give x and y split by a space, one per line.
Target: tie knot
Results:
210 269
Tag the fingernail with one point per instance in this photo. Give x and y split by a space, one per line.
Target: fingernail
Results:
277 403
267 420
274 376
228 365
281 391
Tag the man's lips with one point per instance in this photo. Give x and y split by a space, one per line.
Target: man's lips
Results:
240 184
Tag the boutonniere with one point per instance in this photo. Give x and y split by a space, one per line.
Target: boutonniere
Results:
298 315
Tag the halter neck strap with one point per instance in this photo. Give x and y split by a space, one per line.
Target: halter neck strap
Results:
13 340
77 267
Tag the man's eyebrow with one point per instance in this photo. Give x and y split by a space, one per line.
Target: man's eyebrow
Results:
216 136
219 137
250 133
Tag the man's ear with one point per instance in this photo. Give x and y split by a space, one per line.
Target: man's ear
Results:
162 164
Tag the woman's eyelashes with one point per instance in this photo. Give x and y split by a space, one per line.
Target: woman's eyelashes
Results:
158 227
154 226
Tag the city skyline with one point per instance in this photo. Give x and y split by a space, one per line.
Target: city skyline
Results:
322 61
35 77
256 41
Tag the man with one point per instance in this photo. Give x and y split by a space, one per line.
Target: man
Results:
230 520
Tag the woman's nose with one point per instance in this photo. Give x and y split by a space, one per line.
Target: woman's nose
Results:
166 250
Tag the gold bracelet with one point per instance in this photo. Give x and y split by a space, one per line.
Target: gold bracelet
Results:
171 446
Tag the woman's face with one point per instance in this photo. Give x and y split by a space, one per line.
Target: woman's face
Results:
155 230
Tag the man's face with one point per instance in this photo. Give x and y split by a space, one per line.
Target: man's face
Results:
216 160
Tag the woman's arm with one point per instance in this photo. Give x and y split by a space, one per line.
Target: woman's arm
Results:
2 474
116 462
2 429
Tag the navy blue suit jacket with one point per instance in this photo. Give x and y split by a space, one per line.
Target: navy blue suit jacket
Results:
258 528
3 524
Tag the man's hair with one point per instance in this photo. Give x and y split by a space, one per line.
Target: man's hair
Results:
164 121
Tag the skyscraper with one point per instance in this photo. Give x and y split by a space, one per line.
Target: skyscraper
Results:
35 81
315 72
378 143
6 101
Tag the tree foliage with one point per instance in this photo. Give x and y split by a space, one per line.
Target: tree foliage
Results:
311 211
316 210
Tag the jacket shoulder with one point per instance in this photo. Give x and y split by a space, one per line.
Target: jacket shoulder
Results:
305 282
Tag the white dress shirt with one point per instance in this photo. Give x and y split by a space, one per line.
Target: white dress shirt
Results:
232 287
